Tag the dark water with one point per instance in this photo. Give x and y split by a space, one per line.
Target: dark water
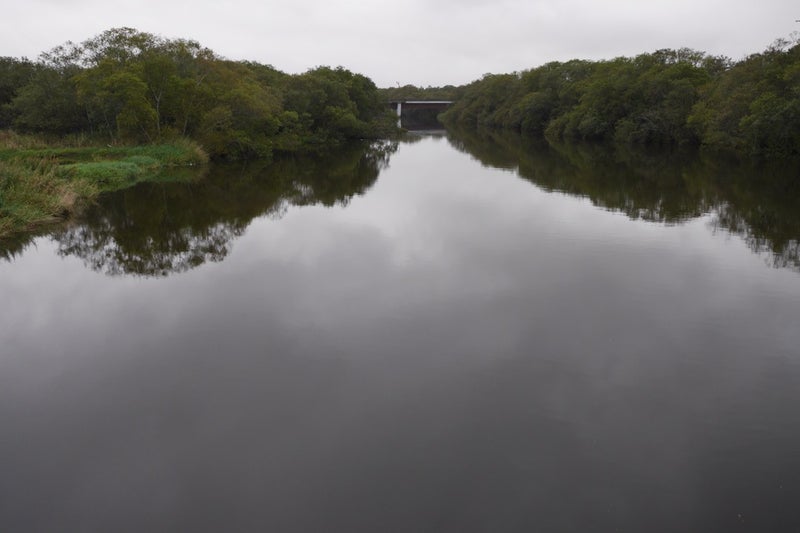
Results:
464 334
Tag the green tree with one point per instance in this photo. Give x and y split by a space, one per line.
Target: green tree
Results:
14 75
245 115
755 105
49 102
132 86
333 105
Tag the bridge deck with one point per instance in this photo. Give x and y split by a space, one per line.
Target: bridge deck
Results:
412 102
419 104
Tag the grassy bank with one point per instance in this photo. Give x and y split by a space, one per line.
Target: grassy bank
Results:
42 181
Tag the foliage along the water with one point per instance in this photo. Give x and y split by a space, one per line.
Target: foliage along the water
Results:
135 87
758 200
155 229
41 181
666 97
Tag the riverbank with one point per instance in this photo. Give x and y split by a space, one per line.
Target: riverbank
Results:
43 182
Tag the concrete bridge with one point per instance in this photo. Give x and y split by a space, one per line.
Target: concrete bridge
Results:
400 105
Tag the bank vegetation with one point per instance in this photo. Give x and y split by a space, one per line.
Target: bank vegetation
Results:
668 97
116 108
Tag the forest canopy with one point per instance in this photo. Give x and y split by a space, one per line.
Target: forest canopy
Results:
665 97
129 86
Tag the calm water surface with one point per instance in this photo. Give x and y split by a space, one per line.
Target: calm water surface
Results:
464 334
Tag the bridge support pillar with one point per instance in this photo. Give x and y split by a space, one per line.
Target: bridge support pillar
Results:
399 114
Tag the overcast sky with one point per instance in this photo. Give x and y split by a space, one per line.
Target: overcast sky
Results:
423 42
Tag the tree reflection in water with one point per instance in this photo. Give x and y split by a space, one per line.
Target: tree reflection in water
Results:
156 229
757 201
160 228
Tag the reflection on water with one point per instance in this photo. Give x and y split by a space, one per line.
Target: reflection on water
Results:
156 229
758 201
457 349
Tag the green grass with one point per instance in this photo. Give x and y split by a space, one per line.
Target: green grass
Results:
42 182
107 175
30 196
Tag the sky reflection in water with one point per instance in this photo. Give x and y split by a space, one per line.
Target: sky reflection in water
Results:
445 348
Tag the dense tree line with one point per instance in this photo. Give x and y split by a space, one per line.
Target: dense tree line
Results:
130 86
412 92
666 97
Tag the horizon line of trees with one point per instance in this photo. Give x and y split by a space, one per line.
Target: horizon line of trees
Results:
668 97
125 85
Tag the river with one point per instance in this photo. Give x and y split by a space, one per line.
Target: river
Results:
449 333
